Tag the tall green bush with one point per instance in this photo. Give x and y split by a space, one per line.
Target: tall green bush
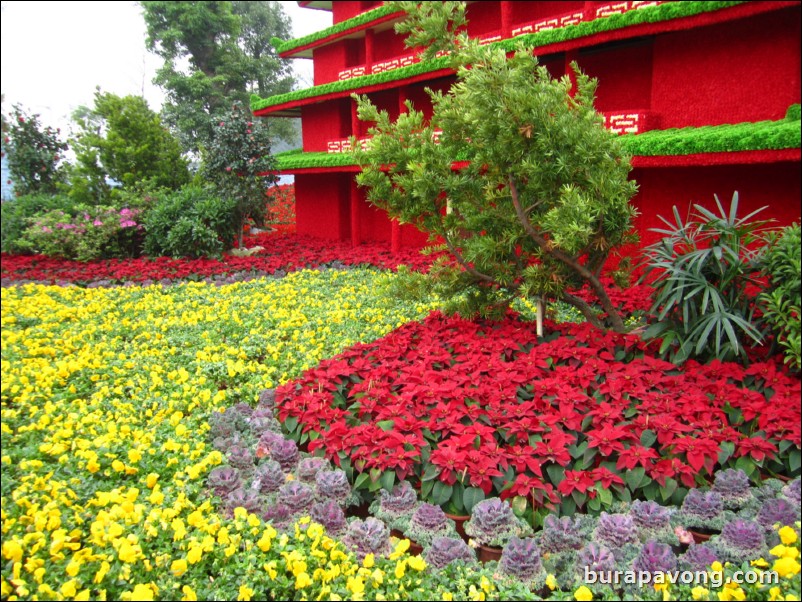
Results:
781 302
541 197
121 140
705 274
191 222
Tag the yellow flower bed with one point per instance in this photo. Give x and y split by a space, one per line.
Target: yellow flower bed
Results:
105 400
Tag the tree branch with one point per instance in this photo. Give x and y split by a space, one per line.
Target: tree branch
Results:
595 284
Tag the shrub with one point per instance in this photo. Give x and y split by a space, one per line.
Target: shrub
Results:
16 214
94 233
704 269
781 302
190 222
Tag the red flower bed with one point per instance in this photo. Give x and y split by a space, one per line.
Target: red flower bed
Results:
282 252
468 409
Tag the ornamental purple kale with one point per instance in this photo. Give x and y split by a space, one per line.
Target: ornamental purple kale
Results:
561 534
369 536
240 457
703 510
297 496
267 399
428 522
655 557
779 511
445 550
223 480
740 541
618 533
521 559
285 452
244 498
329 514
697 558
493 523
793 492
653 522
395 507
595 560
733 486
309 467
333 485
268 477
278 515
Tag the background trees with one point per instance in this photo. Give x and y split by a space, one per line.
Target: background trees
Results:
215 54
122 139
35 153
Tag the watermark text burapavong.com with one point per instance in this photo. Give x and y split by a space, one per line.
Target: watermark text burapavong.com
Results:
714 579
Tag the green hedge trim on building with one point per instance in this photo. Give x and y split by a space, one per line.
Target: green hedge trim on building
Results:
653 14
749 136
282 46
661 12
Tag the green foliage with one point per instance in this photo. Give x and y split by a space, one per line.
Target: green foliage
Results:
238 153
761 135
703 269
190 222
226 46
91 233
34 152
781 303
122 139
17 213
544 197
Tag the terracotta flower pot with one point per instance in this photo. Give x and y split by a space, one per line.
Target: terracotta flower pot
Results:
700 536
489 553
459 522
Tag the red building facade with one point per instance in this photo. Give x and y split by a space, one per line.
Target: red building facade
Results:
706 95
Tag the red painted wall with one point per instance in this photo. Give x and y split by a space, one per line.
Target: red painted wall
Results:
748 70
324 122
343 10
483 17
388 45
526 12
775 184
321 205
624 72
329 61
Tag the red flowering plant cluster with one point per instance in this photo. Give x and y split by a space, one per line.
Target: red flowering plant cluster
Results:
580 418
283 252
281 205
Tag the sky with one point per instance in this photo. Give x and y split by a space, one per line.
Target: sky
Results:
54 54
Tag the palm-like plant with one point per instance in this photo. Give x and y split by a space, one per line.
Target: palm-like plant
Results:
702 270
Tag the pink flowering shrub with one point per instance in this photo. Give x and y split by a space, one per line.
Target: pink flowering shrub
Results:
94 233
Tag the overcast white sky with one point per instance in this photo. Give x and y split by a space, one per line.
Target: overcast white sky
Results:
54 54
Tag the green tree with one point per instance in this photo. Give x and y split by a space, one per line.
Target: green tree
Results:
215 54
35 153
541 197
239 164
123 139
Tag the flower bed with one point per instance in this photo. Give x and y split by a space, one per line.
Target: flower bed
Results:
283 252
281 209
582 418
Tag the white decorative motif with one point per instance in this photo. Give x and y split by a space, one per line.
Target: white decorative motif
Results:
624 123
352 72
344 145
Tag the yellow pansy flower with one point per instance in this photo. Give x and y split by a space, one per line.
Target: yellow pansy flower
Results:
583 594
368 561
786 567
179 567
189 594
302 580
245 593
700 593
787 535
